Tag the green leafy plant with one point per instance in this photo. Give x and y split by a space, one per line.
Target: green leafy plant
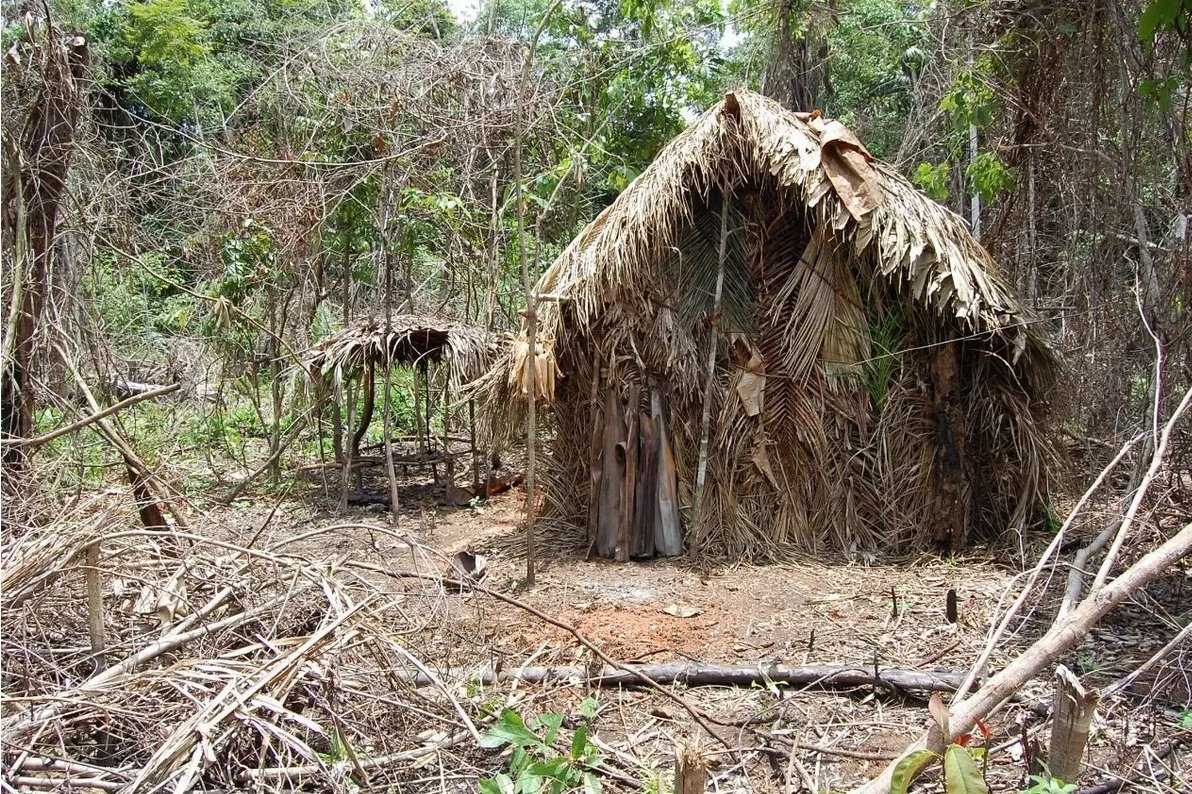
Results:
1052 520
1087 662
887 335
1046 784
959 761
971 100
535 764
989 176
933 180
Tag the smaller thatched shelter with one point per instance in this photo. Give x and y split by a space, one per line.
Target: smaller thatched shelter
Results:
403 341
777 340
410 341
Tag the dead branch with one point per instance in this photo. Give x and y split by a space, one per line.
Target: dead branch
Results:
34 443
293 772
703 674
1063 634
995 634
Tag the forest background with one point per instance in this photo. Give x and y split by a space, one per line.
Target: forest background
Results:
246 177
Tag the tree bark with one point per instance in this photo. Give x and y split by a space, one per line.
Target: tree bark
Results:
949 475
691 771
1072 718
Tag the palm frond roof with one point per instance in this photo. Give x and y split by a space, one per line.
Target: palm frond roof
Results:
404 340
863 205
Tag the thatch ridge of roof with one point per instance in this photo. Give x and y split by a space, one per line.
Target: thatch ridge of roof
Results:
403 340
912 241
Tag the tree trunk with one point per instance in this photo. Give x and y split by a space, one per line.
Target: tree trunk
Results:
816 676
799 67
45 160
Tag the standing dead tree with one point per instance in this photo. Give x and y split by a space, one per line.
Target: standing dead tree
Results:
36 168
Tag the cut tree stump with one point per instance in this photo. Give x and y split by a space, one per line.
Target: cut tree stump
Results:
1073 710
691 770
697 674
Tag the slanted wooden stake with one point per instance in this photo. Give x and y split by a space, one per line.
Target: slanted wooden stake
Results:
1072 718
531 303
701 472
448 461
387 363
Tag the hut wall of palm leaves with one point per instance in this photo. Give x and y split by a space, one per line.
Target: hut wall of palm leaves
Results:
900 384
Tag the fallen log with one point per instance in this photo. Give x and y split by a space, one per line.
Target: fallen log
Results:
822 676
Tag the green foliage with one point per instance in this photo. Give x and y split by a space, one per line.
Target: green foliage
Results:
959 764
961 775
933 180
234 326
167 68
908 768
970 101
1163 15
84 456
1046 784
649 64
875 67
535 764
401 406
429 18
1052 521
887 335
1086 662
989 176
225 428
138 306
187 62
1159 90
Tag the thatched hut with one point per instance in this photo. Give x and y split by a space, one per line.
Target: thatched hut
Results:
361 351
781 334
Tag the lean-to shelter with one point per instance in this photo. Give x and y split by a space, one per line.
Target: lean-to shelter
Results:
364 350
772 341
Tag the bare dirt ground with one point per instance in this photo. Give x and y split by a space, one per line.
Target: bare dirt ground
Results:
810 612
291 634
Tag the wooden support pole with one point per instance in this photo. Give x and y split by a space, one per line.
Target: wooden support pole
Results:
472 443
624 541
448 461
595 455
701 471
95 625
